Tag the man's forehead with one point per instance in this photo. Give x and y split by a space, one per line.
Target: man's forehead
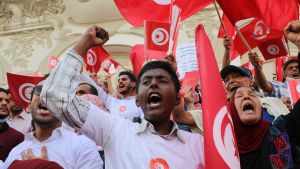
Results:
3 94
156 73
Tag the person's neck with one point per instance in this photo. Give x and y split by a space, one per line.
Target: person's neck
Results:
163 127
129 94
42 133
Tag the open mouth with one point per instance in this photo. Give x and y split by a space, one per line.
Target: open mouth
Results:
154 99
248 107
233 87
295 75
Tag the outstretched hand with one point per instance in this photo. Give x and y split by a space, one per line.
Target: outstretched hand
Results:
292 32
254 59
94 36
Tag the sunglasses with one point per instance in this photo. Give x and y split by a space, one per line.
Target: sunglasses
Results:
36 90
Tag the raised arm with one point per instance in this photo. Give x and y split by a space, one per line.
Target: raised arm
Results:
226 57
59 89
259 74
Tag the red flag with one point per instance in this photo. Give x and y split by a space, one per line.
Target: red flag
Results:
277 14
53 62
20 87
273 48
228 26
138 57
279 64
294 88
220 146
251 67
109 66
94 57
190 79
255 33
157 35
136 11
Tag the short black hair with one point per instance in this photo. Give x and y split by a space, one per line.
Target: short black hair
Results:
129 74
159 65
4 90
289 62
94 91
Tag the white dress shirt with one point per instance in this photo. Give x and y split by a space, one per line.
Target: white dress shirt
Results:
127 145
21 122
68 149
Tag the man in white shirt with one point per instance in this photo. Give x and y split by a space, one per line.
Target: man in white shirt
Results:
18 118
124 107
68 149
155 143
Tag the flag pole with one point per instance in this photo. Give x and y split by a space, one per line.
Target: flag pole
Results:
242 38
119 63
219 16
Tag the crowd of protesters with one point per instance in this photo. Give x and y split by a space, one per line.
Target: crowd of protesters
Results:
76 121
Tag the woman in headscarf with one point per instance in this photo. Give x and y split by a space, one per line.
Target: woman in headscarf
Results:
264 145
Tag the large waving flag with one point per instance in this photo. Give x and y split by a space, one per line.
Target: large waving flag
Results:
220 146
136 11
20 87
276 13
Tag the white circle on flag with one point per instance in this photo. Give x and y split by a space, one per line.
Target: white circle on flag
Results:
163 2
160 36
53 63
91 58
106 64
273 49
224 139
261 30
25 91
298 88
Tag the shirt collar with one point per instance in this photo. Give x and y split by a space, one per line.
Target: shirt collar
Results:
58 132
147 126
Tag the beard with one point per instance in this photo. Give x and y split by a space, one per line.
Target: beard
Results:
45 123
16 109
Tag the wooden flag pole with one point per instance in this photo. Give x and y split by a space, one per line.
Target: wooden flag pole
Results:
220 19
119 63
242 38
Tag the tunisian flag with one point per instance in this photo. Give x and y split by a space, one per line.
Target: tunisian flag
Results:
220 147
274 48
20 87
256 33
276 13
138 57
294 88
136 11
97 58
53 62
157 35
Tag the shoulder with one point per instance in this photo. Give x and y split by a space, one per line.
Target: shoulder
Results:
15 133
190 137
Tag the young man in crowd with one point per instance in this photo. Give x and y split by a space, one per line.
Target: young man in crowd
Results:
9 137
68 149
18 118
126 144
